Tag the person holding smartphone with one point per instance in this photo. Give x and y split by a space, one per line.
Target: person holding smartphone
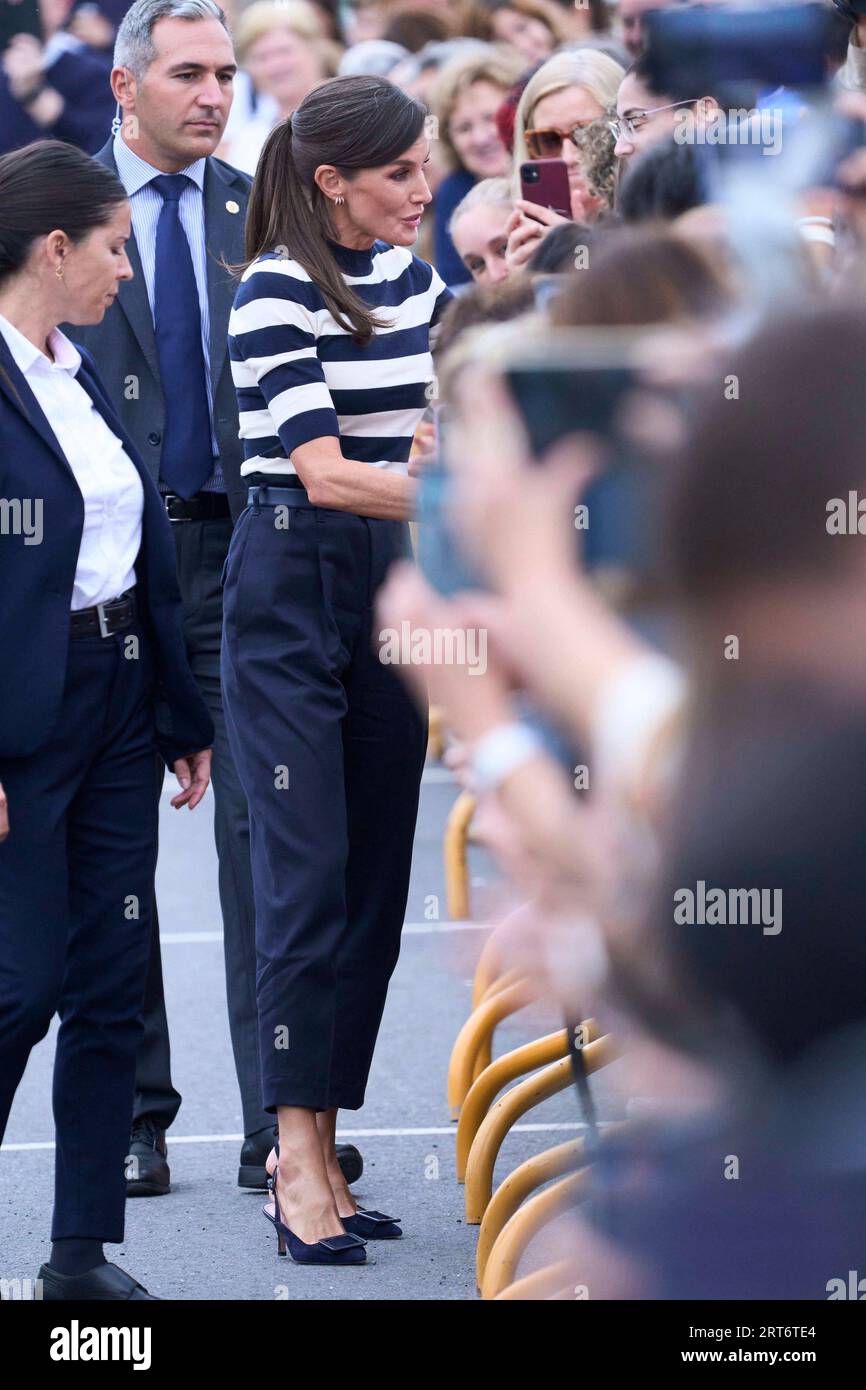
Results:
567 96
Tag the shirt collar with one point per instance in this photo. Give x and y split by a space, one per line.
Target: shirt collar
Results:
27 356
134 172
354 262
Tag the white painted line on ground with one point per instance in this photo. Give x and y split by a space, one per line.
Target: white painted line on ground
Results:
186 938
341 1134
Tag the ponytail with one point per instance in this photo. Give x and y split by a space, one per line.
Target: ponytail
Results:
353 123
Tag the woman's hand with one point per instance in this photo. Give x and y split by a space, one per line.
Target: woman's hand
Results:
22 62
4 815
474 693
423 450
526 228
515 518
193 773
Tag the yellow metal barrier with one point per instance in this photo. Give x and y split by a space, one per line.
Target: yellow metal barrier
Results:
487 1086
478 1027
456 867
509 1196
524 1224
484 1055
554 1282
541 1168
508 1110
435 733
487 969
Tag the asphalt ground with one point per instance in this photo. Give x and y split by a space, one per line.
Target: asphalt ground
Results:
207 1239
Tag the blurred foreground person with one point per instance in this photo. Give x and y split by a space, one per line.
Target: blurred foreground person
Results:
90 629
766 1197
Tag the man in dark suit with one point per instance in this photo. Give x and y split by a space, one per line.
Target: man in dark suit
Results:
161 350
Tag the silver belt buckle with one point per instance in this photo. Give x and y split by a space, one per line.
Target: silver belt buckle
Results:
103 621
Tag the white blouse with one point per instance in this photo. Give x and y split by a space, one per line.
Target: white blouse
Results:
107 477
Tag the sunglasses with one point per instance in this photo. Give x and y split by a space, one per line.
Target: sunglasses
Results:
630 125
547 144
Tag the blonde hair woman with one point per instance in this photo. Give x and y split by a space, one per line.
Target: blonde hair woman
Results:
285 55
564 98
468 93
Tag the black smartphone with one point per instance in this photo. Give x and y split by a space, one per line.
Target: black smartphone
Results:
718 49
577 385
575 381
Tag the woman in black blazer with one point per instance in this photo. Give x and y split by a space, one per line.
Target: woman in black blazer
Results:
93 684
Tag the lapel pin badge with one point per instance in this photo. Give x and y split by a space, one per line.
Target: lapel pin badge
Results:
232 206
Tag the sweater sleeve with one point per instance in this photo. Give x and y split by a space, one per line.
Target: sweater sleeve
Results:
283 398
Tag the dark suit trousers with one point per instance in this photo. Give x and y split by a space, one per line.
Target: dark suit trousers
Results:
76 875
330 749
201 552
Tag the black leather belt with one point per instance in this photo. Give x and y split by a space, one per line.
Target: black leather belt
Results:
204 506
278 497
104 619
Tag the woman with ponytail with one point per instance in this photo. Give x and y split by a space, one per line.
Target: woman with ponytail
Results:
330 346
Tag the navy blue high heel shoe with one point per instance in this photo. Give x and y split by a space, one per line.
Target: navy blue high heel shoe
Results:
373 1224
347 1249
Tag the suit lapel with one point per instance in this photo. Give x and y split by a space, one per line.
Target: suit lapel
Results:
14 385
132 294
224 232
133 300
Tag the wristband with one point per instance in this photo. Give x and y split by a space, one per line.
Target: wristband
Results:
500 752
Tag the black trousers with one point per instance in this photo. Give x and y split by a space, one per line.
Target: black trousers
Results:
330 750
76 876
201 548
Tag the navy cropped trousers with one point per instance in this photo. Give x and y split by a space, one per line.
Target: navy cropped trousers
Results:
330 748
76 887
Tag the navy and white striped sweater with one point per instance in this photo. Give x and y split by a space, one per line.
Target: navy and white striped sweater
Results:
299 375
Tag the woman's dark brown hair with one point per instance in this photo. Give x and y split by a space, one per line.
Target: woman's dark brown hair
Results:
47 187
637 277
353 123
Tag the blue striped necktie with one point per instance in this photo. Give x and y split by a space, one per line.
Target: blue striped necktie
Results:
187 453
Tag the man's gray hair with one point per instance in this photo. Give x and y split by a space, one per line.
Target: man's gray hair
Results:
134 47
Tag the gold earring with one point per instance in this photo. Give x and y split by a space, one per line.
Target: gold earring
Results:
59 271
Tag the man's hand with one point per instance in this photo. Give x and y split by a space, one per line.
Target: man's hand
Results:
193 773
4 814
92 28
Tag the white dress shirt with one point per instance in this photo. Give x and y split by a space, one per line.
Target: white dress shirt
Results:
108 479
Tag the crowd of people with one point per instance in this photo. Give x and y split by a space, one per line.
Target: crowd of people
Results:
278 280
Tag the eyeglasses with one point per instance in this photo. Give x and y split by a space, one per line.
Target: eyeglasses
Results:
547 143
630 125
